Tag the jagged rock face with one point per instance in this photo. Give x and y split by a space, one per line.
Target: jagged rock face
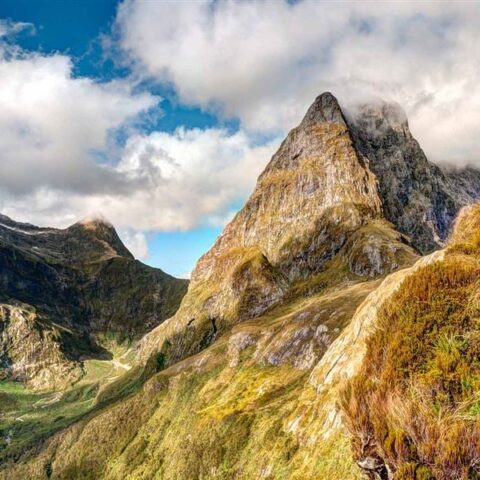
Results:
465 183
420 198
31 354
314 192
81 283
316 201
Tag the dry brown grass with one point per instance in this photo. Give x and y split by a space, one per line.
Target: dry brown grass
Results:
416 402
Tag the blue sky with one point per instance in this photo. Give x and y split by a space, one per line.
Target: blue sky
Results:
159 115
75 27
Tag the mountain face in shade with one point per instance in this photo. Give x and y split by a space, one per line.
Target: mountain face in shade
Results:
71 288
264 371
419 197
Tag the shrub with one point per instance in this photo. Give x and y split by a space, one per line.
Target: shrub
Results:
414 404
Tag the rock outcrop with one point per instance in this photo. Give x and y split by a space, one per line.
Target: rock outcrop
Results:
419 197
30 351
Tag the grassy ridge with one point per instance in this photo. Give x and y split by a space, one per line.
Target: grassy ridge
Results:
414 406
204 418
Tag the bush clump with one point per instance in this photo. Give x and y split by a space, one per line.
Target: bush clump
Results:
415 402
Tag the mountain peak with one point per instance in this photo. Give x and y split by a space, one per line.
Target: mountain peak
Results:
325 109
419 197
315 209
62 287
101 237
379 117
338 198
315 184
90 240
95 222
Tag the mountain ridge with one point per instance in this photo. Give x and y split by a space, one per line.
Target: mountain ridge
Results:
97 232
419 197
73 287
244 380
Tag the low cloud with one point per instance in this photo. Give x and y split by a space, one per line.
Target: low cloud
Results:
264 62
136 242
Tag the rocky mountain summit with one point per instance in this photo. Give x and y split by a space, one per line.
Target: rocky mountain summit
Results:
419 197
354 195
63 292
308 332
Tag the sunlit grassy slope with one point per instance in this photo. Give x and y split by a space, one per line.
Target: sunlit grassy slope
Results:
231 411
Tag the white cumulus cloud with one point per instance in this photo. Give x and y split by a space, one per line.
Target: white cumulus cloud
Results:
60 162
264 62
53 123
176 181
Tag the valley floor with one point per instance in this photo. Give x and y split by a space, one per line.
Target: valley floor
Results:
28 416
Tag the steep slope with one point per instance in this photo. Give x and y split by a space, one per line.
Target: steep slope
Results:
66 292
419 197
243 381
230 411
314 209
246 407
422 379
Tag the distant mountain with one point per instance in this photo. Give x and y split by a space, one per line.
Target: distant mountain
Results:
313 335
63 293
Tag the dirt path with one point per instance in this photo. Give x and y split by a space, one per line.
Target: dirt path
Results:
118 364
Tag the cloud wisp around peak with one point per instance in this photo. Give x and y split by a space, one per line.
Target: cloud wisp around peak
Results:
263 62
